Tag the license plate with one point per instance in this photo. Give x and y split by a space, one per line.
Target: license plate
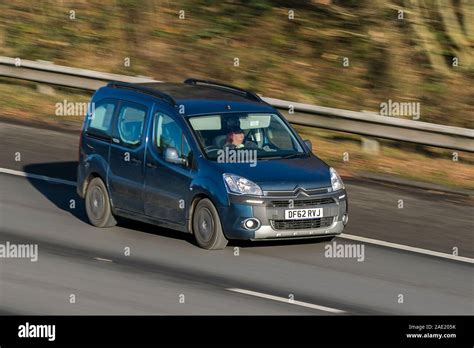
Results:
301 214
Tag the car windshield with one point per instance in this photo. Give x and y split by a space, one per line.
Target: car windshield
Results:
264 133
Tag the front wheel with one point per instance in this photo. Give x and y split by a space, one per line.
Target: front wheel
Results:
97 203
207 227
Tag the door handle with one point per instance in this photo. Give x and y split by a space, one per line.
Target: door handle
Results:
151 165
115 140
136 161
92 148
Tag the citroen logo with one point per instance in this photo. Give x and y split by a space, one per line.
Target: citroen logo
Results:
300 191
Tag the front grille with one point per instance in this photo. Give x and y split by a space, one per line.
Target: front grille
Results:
301 224
294 192
302 202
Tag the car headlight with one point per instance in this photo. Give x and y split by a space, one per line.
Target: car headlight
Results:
241 186
336 181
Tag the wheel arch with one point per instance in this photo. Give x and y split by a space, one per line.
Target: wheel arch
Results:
194 202
88 179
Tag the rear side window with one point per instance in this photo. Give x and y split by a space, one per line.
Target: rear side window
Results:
101 118
130 124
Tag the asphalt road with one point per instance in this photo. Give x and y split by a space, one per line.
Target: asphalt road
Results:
430 220
76 258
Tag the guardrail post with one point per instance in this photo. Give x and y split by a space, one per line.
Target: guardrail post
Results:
370 146
45 89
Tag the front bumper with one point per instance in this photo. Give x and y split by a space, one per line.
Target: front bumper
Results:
270 211
266 232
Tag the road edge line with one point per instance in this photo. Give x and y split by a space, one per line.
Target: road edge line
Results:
37 176
406 248
285 300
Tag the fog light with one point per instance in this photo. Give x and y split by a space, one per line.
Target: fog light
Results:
251 224
345 218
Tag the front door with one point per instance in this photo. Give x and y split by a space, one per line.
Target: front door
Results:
166 190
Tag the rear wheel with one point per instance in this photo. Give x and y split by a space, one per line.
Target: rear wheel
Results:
97 203
207 227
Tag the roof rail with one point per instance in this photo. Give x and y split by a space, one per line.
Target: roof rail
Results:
241 91
142 88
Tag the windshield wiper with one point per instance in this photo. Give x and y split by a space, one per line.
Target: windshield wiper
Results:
293 155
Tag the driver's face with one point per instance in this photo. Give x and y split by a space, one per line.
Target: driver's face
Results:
237 138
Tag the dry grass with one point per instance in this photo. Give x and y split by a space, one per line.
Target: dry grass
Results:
299 59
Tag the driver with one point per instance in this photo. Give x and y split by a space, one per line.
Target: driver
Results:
235 140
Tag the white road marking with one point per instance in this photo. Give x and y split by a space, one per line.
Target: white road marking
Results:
286 300
406 247
37 176
101 259
342 235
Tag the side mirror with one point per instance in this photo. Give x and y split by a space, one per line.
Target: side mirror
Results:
308 144
171 156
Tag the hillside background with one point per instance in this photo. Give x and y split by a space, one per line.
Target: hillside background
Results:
300 59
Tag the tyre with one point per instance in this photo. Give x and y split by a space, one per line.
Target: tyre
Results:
97 203
207 226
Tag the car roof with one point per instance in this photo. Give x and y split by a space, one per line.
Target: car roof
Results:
206 98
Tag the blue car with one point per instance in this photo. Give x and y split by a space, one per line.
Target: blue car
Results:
204 158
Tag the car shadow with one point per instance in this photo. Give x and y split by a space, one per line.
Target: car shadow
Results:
64 197
274 243
156 230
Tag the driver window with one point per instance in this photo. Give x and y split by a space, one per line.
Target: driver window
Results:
186 148
167 133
